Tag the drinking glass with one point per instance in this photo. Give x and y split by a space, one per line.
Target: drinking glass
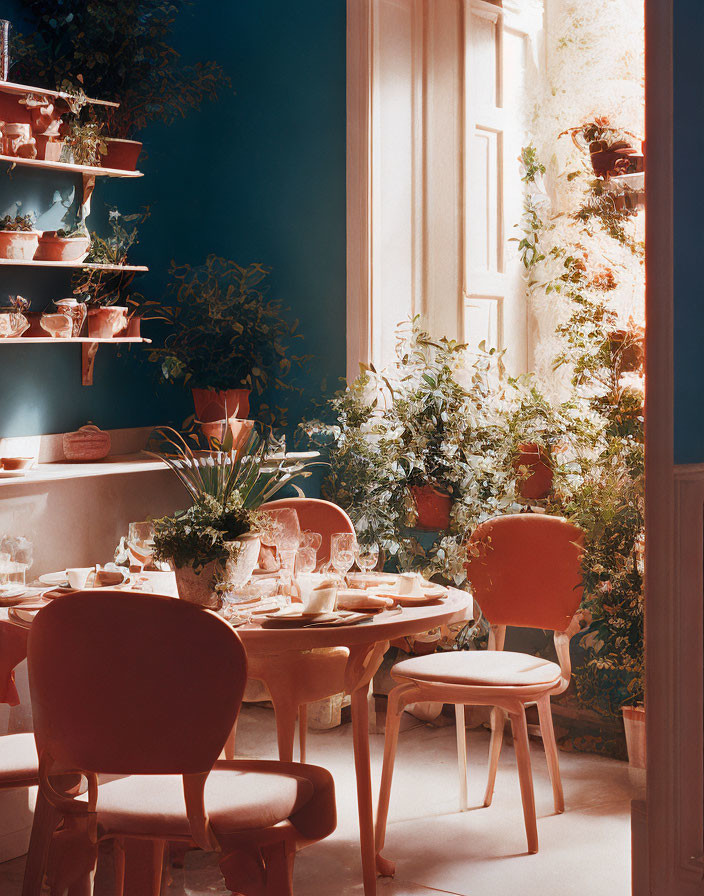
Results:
140 543
342 548
306 560
286 535
367 556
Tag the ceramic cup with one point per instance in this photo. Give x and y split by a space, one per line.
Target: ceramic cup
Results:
78 576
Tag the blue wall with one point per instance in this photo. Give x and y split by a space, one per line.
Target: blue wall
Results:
259 175
689 230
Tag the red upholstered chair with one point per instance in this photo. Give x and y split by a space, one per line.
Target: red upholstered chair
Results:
148 687
316 674
525 570
18 753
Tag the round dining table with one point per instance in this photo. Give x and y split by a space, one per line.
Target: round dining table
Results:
367 642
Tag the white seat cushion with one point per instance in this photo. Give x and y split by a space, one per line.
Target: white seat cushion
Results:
479 667
235 801
18 759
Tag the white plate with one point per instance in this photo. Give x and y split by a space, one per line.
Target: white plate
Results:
54 578
12 590
12 474
23 617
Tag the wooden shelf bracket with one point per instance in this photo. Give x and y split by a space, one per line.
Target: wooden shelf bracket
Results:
88 352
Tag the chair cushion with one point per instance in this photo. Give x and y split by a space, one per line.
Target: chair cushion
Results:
234 800
18 759
479 667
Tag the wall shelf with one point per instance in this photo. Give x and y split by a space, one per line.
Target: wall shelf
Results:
111 466
92 170
24 89
32 262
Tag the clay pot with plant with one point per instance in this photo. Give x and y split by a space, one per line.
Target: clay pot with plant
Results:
18 238
64 245
226 338
612 151
120 154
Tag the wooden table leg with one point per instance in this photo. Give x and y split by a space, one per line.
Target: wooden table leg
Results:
144 860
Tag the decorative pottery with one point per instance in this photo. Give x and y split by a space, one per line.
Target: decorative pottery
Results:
134 326
107 322
12 324
86 444
244 555
240 429
77 311
433 507
198 588
58 326
43 113
538 483
618 158
17 140
212 405
57 248
19 245
48 147
634 723
121 154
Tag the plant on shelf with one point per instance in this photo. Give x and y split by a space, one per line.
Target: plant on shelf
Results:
611 149
225 338
84 143
226 486
18 238
72 244
123 53
19 223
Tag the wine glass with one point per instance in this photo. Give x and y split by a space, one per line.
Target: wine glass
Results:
367 556
286 535
342 548
306 560
140 543
312 540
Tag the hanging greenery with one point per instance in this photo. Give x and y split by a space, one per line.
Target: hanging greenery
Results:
118 51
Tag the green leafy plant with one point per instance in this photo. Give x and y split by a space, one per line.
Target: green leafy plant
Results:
79 231
223 331
20 223
84 144
118 51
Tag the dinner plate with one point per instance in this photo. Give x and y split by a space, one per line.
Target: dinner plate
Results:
22 615
54 578
350 599
12 474
19 596
414 600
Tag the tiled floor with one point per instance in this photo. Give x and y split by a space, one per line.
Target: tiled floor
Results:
438 850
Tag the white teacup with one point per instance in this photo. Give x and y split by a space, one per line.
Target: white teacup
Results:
408 585
321 599
78 576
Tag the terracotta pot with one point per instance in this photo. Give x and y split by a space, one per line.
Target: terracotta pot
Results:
212 405
57 248
107 322
433 507
199 588
77 311
58 326
20 245
48 148
89 443
121 154
538 484
629 358
634 723
618 158
216 429
134 327
34 319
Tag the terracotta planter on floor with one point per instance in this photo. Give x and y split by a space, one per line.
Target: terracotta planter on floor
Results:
121 154
108 322
56 248
240 429
199 588
212 405
634 723
20 245
538 484
433 507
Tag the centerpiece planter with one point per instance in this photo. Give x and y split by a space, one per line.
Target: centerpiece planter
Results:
433 507
121 154
538 483
61 248
634 723
199 587
107 322
212 405
244 555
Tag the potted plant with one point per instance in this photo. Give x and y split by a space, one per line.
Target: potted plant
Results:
226 339
18 238
226 485
84 143
107 291
120 154
612 151
64 245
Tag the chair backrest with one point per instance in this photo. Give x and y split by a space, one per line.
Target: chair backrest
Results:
316 515
133 683
525 570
